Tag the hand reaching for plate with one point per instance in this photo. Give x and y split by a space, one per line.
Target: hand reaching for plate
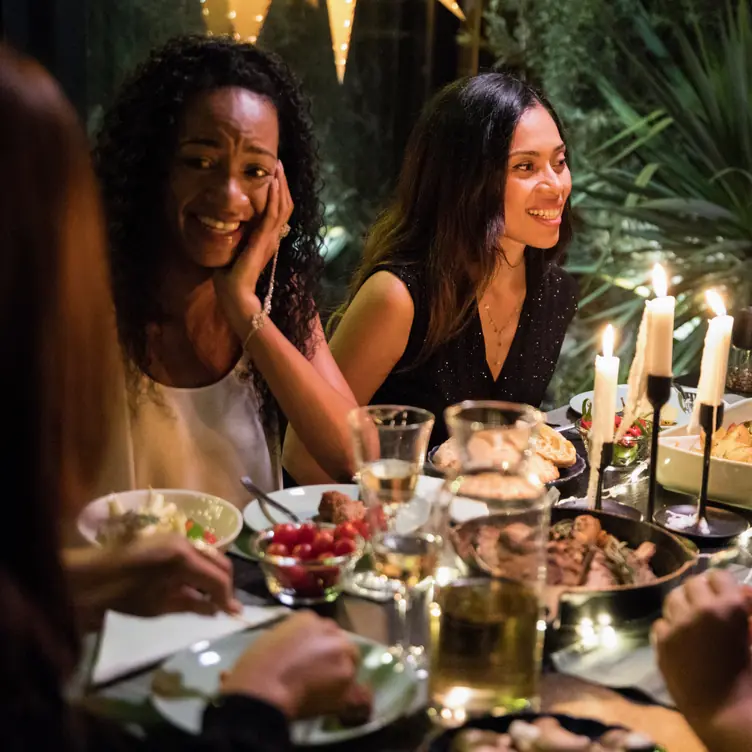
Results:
305 667
703 648
151 576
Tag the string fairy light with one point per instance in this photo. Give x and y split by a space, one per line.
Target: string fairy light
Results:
341 13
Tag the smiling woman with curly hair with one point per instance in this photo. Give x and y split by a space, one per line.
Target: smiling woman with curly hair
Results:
209 174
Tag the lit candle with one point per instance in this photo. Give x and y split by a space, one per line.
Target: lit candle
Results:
715 353
604 397
660 321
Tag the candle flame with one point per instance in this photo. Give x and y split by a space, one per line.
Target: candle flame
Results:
660 282
715 301
608 341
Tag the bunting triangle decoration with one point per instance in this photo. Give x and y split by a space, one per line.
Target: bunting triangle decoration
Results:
244 19
341 14
453 7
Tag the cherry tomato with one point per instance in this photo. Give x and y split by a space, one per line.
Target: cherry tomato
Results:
586 424
303 551
324 541
285 534
344 546
291 577
209 537
307 532
617 420
327 577
324 555
345 530
363 529
277 549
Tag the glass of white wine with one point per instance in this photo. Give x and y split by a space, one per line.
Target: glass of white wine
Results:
487 618
390 444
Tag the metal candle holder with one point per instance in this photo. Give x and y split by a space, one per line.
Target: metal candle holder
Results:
701 521
603 505
659 393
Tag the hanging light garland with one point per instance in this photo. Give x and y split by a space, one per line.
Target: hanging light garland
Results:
245 18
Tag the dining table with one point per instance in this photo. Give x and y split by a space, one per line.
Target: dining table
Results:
128 699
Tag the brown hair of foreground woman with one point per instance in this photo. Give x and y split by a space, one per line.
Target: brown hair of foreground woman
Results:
59 357
55 301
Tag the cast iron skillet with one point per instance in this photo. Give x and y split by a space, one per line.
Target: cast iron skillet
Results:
673 561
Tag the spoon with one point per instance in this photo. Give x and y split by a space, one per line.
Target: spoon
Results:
263 499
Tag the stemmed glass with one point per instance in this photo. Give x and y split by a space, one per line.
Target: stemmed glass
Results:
390 444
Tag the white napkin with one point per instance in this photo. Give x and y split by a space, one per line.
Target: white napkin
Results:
130 642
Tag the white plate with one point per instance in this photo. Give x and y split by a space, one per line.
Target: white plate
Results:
304 501
621 394
680 469
204 508
394 687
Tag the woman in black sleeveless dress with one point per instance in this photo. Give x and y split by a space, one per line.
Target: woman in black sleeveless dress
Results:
460 295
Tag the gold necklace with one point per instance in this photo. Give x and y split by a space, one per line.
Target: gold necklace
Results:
499 331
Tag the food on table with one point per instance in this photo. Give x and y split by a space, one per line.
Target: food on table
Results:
357 706
731 443
310 555
579 553
493 486
548 735
336 507
152 518
632 445
552 446
552 451
669 413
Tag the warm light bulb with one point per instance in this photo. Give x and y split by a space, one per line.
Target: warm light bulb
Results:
205 11
347 23
343 47
715 301
608 341
259 18
231 15
660 281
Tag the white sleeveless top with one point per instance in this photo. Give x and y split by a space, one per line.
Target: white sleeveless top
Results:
200 439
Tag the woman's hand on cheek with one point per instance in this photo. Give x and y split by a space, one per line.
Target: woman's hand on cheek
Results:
236 284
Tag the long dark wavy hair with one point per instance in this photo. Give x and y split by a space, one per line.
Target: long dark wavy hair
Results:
448 212
133 154
60 358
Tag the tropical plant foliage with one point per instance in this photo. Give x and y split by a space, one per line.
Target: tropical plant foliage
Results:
677 182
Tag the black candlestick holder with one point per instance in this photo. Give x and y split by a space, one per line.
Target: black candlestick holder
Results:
659 393
603 505
700 521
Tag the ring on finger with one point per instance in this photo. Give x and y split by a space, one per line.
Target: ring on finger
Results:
284 231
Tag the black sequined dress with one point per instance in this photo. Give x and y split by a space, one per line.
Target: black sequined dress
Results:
458 370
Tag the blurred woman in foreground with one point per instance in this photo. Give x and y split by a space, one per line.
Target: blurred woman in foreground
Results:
60 358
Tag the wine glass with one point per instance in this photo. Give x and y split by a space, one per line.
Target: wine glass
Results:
390 444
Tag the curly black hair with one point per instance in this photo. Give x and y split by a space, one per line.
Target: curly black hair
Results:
133 153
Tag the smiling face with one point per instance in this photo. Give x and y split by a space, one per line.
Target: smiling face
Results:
221 173
538 182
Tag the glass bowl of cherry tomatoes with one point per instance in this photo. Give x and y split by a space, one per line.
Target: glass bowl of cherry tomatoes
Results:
308 563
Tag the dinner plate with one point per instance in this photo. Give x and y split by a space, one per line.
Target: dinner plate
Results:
675 402
304 501
394 688
565 473
582 726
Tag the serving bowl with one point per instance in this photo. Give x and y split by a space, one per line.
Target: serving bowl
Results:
629 451
297 581
211 512
680 468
